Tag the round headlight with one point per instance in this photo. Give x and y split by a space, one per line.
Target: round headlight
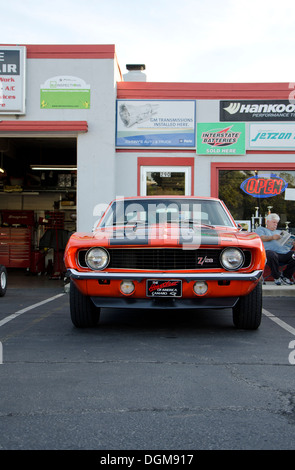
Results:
97 258
232 258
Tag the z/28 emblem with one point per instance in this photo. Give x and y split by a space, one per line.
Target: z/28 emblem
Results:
203 259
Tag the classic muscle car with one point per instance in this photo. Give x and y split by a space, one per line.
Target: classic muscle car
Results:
166 253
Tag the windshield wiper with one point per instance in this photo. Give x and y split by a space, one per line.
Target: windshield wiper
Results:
193 222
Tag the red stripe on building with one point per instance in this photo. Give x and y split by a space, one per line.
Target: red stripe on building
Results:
213 91
43 126
60 51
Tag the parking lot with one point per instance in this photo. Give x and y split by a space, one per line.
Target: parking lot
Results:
143 380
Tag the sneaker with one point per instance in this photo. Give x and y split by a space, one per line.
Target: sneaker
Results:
278 282
287 281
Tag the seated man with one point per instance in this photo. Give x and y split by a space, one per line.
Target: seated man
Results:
276 253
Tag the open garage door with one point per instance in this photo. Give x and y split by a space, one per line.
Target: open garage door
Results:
38 178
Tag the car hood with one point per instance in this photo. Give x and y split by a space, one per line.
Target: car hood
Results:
166 235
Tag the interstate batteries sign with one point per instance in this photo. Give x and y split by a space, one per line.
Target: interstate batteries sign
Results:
260 110
221 139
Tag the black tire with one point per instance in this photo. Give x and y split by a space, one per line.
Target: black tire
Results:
247 312
84 314
3 281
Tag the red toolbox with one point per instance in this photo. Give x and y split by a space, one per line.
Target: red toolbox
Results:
15 247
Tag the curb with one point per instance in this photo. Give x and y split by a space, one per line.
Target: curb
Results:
272 290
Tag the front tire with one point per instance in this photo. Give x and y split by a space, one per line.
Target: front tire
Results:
84 314
247 312
3 281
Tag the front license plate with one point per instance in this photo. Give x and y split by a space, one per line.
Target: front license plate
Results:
163 288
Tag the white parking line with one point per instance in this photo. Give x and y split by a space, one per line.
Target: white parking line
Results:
24 310
279 322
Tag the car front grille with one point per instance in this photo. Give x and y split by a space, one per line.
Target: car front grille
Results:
163 258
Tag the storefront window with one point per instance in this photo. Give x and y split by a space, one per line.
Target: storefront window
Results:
243 206
161 181
165 182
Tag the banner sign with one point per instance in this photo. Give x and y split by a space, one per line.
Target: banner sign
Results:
272 136
154 123
65 92
12 80
260 186
261 110
221 139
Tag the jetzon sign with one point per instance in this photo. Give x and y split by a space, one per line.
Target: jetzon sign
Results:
272 136
12 80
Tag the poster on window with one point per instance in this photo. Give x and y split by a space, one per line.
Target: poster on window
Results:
225 138
152 123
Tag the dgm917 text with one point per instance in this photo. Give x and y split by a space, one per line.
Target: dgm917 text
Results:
147 459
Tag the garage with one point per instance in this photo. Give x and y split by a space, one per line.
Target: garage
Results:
57 121
38 183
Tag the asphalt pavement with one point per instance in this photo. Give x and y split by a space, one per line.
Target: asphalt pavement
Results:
150 381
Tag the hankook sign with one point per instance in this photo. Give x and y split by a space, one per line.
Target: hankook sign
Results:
260 110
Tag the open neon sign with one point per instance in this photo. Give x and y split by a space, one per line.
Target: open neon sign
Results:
261 186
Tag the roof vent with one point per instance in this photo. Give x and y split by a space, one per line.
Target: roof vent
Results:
135 73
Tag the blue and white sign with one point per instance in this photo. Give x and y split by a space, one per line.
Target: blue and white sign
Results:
272 136
152 123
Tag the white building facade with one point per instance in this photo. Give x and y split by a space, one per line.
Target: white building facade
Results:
95 135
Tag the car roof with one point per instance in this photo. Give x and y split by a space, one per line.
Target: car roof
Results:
208 198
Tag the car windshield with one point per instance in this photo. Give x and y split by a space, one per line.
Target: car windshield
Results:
181 211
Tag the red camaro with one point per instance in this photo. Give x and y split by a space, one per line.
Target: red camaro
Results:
166 252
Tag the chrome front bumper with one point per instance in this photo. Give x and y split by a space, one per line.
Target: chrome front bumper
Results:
137 276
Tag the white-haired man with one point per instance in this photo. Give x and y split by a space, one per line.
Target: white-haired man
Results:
276 253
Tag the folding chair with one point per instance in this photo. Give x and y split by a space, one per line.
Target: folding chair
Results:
266 276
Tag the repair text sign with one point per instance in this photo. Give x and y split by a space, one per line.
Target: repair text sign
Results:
12 80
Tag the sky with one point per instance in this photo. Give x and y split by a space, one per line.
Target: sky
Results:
177 40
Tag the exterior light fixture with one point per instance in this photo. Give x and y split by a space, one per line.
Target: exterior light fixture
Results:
53 167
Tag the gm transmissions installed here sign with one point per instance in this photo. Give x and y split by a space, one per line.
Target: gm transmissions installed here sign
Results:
12 79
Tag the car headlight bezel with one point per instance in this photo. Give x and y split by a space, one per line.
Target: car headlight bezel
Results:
97 258
232 258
